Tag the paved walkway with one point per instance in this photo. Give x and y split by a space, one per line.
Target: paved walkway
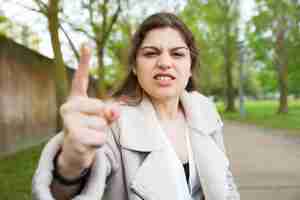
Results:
265 162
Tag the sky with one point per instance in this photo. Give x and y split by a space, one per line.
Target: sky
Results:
247 9
13 10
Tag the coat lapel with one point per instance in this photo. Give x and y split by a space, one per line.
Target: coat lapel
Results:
143 132
211 165
210 160
200 112
161 175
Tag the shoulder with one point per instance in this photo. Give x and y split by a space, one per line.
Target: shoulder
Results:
199 98
201 106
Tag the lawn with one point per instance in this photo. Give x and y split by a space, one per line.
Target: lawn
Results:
263 113
16 173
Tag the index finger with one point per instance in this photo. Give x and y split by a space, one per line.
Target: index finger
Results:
80 80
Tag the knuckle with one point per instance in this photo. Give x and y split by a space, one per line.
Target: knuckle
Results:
86 138
76 137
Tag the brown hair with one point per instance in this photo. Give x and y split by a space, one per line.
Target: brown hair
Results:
131 89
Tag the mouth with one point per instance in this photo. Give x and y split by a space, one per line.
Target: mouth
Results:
164 77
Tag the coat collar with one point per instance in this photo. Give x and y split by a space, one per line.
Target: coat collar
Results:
143 131
200 112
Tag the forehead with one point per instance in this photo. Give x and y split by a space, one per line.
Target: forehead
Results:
164 38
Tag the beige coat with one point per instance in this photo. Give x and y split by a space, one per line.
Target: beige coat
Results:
138 162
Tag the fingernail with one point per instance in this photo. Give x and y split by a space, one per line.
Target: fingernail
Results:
114 114
85 49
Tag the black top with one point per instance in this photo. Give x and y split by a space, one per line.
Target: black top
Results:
186 171
187 176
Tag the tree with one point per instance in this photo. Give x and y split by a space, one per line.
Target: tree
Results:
60 70
102 16
215 24
273 34
117 49
51 11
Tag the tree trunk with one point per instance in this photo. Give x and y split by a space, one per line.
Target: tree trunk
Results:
230 107
59 71
101 88
102 34
282 72
283 88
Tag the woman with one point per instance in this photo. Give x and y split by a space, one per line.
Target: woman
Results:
161 141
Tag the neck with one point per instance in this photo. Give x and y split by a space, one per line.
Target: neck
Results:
166 109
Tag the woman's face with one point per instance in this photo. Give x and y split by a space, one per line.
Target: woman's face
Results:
163 64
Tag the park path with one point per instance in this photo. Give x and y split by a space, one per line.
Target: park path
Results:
265 162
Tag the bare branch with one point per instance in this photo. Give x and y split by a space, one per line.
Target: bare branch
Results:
70 42
75 28
104 18
91 12
30 9
43 7
113 21
219 3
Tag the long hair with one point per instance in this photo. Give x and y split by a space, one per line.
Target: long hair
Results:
131 90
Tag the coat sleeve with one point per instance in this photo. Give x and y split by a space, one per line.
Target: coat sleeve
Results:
44 187
217 136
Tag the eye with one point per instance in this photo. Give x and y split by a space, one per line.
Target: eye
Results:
150 54
178 54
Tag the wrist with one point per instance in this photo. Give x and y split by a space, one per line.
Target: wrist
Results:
67 175
70 166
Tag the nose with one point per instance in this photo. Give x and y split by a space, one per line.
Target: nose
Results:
164 61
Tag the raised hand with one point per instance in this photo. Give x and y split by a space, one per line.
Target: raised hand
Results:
86 121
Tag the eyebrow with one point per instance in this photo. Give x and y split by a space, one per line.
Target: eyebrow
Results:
157 48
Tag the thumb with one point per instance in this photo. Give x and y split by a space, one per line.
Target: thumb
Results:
80 80
112 112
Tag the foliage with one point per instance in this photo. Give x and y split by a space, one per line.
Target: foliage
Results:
20 33
215 24
101 17
273 35
3 24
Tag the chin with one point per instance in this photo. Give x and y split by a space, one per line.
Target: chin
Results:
165 95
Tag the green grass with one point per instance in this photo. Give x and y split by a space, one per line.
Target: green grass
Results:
264 114
16 172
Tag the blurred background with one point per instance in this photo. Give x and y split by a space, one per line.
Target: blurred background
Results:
249 66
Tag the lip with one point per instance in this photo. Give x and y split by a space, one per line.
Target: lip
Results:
164 83
165 74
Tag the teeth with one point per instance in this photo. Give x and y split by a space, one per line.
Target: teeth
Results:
163 78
